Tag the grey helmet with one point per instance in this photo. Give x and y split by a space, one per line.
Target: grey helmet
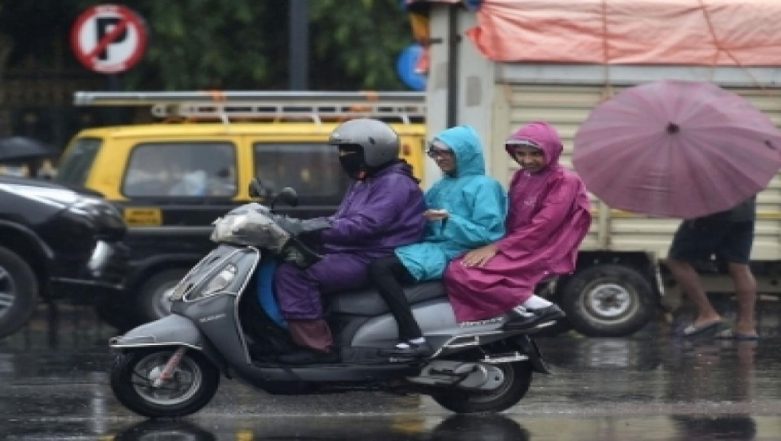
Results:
379 142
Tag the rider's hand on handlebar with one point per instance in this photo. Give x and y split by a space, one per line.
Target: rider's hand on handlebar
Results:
296 227
316 224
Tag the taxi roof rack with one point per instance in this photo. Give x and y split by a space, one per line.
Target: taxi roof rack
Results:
226 106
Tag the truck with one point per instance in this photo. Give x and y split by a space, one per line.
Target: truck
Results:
508 62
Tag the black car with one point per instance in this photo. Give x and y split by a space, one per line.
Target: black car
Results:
55 242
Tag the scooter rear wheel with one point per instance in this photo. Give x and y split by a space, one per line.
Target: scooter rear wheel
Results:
517 379
192 386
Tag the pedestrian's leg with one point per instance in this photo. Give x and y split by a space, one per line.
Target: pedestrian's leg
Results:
690 283
385 274
746 294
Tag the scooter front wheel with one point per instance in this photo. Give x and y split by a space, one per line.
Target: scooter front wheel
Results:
514 385
192 385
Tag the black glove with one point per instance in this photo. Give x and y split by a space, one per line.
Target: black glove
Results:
296 227
316 224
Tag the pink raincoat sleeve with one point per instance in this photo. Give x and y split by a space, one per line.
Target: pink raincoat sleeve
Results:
556 210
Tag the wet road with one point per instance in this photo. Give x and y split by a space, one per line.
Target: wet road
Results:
54 386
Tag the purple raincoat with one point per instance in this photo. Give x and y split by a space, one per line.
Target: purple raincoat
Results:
376 215
547 220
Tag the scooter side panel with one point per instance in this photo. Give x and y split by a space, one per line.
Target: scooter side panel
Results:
169 330
215 317
436 320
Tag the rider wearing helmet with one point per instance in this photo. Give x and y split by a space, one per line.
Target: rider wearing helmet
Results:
381 210
365 146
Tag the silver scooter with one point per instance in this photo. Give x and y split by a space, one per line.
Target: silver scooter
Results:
223 321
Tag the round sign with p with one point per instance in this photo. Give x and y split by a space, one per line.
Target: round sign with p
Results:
109 38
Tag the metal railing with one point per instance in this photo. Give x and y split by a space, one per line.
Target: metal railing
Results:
227 106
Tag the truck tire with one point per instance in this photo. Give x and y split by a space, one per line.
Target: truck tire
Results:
18 292
152 302
608 300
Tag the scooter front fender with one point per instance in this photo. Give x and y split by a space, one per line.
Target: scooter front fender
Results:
171 330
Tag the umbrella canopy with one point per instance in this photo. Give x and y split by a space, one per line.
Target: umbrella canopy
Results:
17 149
676 148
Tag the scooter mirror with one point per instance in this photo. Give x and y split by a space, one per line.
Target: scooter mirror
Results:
287 196
256 189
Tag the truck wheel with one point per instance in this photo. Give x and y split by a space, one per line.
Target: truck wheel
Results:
153 302
608 300
18 292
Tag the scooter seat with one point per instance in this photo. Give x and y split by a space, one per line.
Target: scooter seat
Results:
368 302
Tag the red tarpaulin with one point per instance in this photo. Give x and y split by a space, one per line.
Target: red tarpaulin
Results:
689 32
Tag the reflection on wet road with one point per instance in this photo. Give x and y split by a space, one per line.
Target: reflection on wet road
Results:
54 385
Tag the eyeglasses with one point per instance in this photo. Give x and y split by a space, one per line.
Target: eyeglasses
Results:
434 152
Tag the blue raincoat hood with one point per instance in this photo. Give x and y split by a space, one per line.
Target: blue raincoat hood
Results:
466 145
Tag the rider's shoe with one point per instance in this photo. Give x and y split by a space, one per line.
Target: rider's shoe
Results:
523 318
304 356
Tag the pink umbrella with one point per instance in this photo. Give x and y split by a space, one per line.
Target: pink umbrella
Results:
676 148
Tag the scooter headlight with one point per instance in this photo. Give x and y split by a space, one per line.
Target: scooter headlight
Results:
221 281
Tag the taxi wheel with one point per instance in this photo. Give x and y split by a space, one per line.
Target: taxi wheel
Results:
153 300
18 292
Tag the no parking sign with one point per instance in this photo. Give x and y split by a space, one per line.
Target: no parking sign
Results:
109 38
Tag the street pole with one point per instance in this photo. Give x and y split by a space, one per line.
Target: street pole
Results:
299 45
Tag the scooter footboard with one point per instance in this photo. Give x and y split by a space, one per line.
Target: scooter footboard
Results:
171 330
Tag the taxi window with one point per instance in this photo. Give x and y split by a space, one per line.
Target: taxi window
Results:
312 169
75 166
181 169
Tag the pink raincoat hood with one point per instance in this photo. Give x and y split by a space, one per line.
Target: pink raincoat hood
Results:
545 136
528 189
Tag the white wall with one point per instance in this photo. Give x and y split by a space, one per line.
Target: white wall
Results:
475 83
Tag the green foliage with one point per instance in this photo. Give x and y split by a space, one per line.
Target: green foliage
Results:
226 44
210 44
360 42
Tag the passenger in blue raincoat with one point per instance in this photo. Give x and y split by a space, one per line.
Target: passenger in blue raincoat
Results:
466 210
382 209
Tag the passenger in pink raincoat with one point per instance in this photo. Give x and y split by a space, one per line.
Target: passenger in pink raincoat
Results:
547 220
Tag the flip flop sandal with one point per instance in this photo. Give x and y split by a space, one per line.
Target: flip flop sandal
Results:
691 330
729 334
